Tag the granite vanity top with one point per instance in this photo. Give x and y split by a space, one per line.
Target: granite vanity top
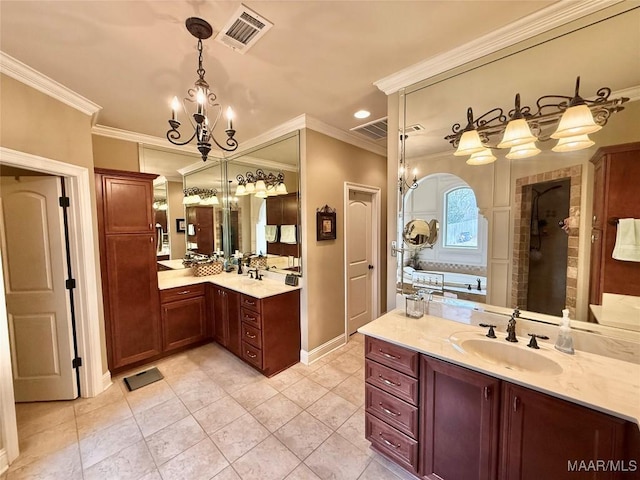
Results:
267 287
605 384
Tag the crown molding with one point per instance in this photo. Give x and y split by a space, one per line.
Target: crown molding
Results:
25 74
632 93
537 23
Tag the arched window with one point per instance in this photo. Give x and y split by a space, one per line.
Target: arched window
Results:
460 218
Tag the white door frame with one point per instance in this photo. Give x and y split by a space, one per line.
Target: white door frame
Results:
82 246
375 248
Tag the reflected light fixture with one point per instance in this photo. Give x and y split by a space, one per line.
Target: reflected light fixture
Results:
200 196
261 184
570 119
403 185
203 103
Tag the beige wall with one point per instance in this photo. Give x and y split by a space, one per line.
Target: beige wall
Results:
327 164
35 123
176 210
115 154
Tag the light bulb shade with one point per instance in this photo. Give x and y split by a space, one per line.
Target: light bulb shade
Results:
482 158
576 120
261 194
250 188
214 200
240 191
571 144
271 192
260 186
281 189
523 151
191 200
470 143
516 133
163 207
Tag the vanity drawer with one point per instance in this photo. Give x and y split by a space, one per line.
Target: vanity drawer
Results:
252 355
180 293
251 335
398 358
391 442
391 381
250 303
251 317
392 410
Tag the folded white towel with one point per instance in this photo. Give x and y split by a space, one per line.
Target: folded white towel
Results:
271 233
627 247
288 234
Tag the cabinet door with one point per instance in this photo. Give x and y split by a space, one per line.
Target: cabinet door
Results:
134 303
183 323
221 323
127 205
233 320
459 428
544 437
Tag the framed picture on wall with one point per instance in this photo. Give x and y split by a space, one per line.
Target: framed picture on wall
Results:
326 223
181 225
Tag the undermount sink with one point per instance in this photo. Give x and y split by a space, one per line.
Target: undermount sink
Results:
508 355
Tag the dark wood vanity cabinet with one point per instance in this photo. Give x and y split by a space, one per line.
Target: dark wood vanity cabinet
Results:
616 195
184 316
466 425
226 313
270 331
461 411
200 229
128 267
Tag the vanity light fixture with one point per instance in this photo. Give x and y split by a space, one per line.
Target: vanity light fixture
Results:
261 184
203 101
160 204
200 196
571 118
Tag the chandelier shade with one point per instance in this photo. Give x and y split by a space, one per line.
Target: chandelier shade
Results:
482 157
203 103
470 143
517 133
523 151
571 144
576 120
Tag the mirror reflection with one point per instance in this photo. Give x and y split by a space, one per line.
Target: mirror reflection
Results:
532 247
160 213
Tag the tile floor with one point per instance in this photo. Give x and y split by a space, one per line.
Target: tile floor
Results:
212 417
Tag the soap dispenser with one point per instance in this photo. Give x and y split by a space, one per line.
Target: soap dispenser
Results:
564 343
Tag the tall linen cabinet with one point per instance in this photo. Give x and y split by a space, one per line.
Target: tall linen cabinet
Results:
129 266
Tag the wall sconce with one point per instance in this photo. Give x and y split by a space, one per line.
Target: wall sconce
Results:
403 185
261 184
574 118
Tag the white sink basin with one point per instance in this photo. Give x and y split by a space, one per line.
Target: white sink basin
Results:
508 355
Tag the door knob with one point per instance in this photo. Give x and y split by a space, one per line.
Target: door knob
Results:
370 267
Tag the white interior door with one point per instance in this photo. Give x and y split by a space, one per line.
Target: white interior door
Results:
360 265
38 312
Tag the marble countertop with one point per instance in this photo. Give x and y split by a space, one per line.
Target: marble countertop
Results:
172 264
267 287
605 384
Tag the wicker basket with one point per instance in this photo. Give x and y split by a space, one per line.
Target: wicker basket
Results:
206 269
258 262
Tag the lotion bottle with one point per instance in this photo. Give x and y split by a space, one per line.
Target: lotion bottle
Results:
564 343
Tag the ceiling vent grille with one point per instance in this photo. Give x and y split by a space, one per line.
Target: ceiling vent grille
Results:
243 30
414 128
374 130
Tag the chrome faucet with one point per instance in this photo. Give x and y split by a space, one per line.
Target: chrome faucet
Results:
511 329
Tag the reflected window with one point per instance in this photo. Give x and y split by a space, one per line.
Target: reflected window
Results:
460 218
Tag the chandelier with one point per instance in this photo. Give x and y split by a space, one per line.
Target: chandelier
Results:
206 110
574 118
200 196
261 184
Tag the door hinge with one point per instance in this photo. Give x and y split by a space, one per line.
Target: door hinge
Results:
70 284
64 202
76 362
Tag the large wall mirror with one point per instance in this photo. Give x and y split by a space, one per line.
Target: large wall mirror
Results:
516 248
256 210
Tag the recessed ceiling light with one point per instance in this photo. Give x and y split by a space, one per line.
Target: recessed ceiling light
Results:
361 114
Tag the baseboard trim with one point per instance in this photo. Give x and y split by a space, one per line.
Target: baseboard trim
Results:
4 461
317 353
106 380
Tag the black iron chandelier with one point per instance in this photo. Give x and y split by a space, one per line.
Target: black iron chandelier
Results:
261 184
207 111
575 118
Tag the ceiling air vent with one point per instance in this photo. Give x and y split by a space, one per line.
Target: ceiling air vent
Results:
374 130
243 30
414 128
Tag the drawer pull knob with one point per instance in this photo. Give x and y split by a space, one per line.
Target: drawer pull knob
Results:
249 335
253 319
388 382
387 442
250 303
387 411
184 292
516 401
388 355
251 355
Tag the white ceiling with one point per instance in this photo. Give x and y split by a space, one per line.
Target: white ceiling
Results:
321 58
